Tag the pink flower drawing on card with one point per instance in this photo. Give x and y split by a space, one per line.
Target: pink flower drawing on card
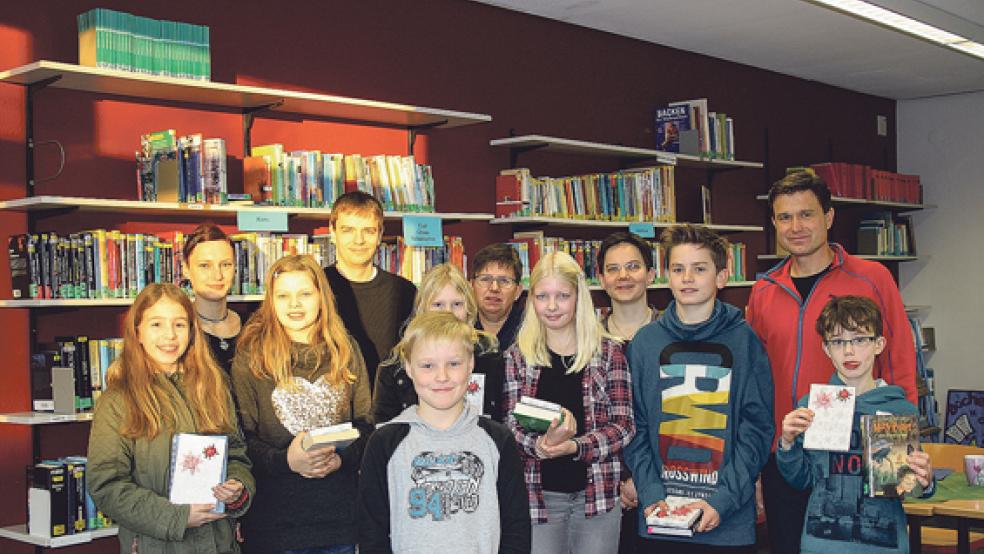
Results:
824 400
191 462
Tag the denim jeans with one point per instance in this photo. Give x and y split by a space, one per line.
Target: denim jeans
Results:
568 530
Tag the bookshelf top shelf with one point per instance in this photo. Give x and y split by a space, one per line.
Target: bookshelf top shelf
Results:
896 206
19 533
92 302
230 96
108 205
571 146
43 418
564 222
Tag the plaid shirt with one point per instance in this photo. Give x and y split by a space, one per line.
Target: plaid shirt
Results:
608 418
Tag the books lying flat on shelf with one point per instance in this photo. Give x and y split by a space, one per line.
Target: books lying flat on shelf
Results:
677 519
833 418
888 440
535 414
339 436
198 463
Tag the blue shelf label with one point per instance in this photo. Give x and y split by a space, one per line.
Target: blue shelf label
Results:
643 229
422 230
261 220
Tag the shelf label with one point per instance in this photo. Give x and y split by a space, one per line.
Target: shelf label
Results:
643 229
261 220
422 230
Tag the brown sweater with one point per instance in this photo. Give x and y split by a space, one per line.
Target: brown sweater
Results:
290 511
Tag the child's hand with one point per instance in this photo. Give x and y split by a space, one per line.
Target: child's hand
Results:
794 424
313 464
661 505
228 492
200 514
628 495
709 520
922 466
562 431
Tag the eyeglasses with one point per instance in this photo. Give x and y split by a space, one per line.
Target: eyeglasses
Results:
630 267
856 342
485 281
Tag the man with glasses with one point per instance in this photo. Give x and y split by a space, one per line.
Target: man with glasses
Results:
783 309
496 271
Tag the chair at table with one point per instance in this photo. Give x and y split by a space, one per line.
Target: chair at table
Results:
951 456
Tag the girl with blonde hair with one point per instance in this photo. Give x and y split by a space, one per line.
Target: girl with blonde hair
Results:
166 382
296 369
443 288
563 355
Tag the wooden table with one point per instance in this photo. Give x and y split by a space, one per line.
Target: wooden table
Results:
961 512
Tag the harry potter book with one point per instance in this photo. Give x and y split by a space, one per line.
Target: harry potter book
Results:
888 440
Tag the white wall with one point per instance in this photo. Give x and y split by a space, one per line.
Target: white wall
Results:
942 140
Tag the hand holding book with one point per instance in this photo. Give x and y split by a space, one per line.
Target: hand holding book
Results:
312 464
921 466
794 424
556 441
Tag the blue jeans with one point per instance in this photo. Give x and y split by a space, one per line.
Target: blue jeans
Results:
333 549
567 530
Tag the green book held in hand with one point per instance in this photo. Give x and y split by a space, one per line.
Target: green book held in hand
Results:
339 436
535 414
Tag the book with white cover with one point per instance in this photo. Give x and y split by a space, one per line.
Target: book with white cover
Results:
535 414
833 417
198 463
339 436
677 519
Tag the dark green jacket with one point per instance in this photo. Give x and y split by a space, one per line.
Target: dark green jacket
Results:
129 480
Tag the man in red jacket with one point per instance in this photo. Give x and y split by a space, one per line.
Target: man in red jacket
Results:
783 309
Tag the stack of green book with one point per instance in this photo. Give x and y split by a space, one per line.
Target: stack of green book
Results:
127 42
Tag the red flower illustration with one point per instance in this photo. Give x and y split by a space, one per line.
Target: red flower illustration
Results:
210 451
472 387
844 395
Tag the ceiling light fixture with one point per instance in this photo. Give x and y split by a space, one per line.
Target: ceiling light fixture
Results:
905 24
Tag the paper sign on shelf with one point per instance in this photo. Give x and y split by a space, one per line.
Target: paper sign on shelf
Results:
262 220
422 230
643 229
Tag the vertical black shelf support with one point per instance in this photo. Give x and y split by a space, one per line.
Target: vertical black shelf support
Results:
29 129
249 115
413 130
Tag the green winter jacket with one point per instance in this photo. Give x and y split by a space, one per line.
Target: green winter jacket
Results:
129 480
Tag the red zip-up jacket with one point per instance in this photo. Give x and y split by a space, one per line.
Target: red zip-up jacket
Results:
787 327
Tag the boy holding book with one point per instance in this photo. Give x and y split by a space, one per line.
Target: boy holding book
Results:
851 328
702 391
438 477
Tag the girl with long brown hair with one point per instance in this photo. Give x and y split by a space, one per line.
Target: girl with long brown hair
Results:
296 369
166 382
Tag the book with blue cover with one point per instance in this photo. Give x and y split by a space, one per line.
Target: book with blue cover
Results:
668 124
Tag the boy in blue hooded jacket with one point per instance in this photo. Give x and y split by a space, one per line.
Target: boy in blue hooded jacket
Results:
840 517
702 395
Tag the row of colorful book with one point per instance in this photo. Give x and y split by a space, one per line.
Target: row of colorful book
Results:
310 178
127 42
688 127
189 169
646 194
532 245
58 501
85 360
864 182
885 234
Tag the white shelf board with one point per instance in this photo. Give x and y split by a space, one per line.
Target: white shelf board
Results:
19 533
110 205
90 302
572 146
655 286
899 206
565 222
226 95
862 256
43 418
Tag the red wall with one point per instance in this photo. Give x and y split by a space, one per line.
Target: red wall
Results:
532 75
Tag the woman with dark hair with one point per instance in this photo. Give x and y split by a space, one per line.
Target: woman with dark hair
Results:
209 264
166 382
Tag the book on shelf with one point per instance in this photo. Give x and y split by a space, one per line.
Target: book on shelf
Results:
670 121
885 234
536 415
866 183
42 394
47 501
705 205
888 440
699 121
645 194
339 436
678 519
74 352
198 463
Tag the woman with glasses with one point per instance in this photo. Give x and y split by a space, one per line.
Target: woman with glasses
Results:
626 264
496 274
445 289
